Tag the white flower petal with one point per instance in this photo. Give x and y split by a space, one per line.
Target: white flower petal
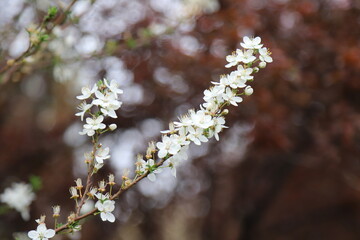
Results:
110 217
152 177
33 234
49 233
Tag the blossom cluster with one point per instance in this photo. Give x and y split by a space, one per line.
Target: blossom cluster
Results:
207 122
100 101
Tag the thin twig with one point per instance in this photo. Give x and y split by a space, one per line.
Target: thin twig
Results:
88 179
116 195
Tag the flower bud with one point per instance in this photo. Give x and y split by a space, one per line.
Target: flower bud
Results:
71 217
248 90
127 182
112 127
224 112
262 64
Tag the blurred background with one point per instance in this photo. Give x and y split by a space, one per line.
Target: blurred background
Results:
287 168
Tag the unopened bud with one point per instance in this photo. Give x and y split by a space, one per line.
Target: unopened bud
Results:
127 182
262 64
71 217
112 127
224 112
248 90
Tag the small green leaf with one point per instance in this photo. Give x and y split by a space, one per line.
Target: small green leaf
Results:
43 37
35 182
52 11
59 225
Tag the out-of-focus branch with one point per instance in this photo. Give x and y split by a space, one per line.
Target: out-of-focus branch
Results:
42 32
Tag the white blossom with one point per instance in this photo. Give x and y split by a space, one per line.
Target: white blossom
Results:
19 196
56 211
102 197
105 207
185 120
102 185
168 146
201 119
235 80
74 193
213 93
92 192
41 233
253 43
102 154
108 103
247 56
92 125
83 107
97 166
197 135
211 106
224 81
86 92
244 73
217 127
231 97
265 55
233 59
140 164
113 87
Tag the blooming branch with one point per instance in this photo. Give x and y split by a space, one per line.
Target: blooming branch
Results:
196 126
